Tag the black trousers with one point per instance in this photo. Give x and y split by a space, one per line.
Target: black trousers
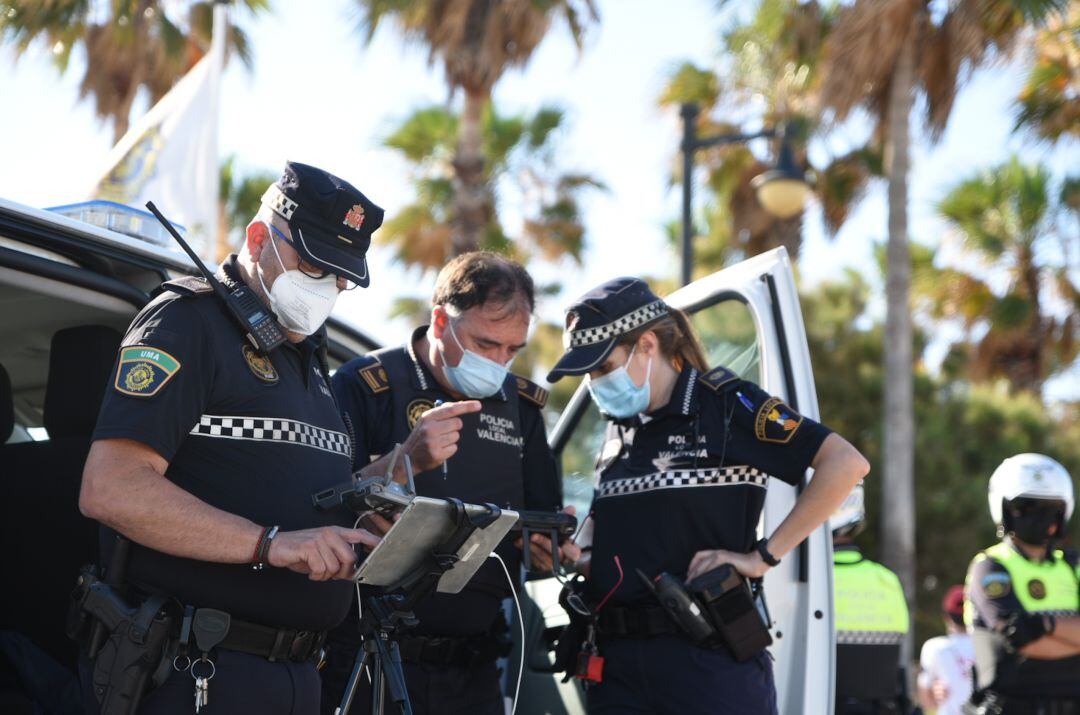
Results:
241 684
433 689
668 675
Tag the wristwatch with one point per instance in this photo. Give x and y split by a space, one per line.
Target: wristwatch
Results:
762 547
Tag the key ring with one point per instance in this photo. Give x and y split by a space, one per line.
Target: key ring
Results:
187 663
213 669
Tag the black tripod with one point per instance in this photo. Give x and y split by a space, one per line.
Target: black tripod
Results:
384 616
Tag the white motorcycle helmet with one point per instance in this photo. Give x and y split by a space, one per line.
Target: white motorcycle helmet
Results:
850 518
1030 476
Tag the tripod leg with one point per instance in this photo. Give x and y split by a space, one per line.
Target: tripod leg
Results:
354 681
394 675
378 682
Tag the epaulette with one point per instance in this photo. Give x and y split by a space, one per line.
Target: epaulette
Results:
717 377
532 392
188 285
375 377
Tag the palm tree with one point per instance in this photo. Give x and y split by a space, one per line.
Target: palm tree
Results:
775 57
130 44
1010 222
878 56
476 41
520 152
1049 103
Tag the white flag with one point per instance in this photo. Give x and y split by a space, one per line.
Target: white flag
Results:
170 155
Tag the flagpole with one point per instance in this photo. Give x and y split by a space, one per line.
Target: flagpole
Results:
219 32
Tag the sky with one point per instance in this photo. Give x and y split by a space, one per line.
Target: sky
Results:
319 95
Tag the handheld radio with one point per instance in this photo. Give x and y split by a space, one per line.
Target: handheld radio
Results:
259 325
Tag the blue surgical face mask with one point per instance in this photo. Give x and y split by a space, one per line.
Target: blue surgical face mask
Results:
617 395
475 376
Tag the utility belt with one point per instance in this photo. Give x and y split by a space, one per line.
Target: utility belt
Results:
465 652
631 622
461 651
715 610
992 703
134 646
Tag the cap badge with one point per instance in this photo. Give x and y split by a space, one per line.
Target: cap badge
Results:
354 219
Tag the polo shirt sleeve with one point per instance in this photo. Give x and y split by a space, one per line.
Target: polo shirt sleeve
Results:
543 487
780 441
371 418
163 377
991 592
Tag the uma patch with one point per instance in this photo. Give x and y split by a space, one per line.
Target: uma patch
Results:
143 370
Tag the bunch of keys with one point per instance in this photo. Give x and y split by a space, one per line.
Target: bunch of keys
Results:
209 628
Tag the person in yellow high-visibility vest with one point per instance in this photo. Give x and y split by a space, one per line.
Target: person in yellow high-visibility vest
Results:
1022 602
871 618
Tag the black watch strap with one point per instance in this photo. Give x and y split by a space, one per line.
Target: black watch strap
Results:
762 547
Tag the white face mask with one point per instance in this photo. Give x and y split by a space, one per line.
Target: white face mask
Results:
301 303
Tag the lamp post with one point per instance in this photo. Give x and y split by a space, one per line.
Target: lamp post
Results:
782 190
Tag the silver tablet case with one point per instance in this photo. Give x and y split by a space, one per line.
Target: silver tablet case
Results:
424 525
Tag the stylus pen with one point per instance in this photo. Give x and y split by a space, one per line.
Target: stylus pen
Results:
439 403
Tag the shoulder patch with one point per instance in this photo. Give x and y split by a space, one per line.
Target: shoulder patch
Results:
531 391
996 584
776 422
717 377
188 285
143 370
375 377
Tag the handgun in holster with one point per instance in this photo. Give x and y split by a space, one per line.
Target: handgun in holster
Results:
127 645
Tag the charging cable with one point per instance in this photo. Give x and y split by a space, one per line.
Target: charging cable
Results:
521 624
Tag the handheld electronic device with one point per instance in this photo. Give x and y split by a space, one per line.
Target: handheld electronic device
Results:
259 324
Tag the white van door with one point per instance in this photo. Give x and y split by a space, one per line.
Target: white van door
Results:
750 321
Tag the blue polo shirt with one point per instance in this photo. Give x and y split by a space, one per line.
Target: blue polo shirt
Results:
250 434
690 476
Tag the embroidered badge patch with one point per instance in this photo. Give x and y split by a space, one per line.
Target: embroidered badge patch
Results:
776 422
996 585
143 370
354 219
259 364
1037 589
416 409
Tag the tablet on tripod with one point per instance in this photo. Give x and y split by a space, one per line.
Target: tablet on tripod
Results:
426 525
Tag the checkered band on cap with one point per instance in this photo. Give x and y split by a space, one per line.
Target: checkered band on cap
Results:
279 202
620 326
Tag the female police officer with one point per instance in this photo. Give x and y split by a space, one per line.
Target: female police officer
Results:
681 484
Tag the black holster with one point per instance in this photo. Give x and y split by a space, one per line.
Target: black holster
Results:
728 602
126 645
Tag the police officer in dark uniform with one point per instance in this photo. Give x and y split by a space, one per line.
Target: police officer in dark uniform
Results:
494 450
207 451
871 621
681 482
1022 603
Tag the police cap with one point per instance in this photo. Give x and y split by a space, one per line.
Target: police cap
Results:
330 220
596 321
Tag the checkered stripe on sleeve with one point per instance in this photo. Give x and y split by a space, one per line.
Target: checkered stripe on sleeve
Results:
869 637
682 478
619 326
279 202
269 429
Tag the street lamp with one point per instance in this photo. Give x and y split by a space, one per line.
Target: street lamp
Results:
782 190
